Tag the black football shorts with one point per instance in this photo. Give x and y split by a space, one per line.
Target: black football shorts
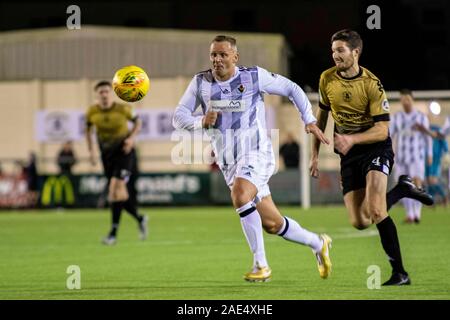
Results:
356 165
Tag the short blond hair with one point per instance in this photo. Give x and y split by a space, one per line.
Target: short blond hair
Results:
223 38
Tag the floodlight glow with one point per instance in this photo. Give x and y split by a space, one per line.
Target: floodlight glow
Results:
435 108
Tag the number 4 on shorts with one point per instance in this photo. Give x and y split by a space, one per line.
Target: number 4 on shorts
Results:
376 161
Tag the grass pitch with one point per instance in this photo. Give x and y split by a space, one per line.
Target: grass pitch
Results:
201 253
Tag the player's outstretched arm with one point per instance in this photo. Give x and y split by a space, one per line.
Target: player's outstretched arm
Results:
276 84
183 117
322 119
317 133
425 130
428 141
272 83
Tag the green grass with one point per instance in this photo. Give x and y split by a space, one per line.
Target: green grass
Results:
200 253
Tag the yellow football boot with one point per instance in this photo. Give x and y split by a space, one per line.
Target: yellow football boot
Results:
323 257
259 274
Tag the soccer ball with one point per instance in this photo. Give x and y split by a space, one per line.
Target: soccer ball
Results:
131 83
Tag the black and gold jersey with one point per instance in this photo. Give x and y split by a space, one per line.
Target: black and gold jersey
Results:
355 103
111 124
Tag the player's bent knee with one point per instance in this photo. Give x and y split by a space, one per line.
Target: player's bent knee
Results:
240 197
242 192
360 225
122 195
122 198
378 215
272 226
361 221
375 213
118 191
112 197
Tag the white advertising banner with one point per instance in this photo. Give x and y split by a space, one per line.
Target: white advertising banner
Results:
59 125
63 125
156 124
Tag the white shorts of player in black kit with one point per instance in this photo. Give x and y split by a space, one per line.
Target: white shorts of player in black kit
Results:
257 167
413 169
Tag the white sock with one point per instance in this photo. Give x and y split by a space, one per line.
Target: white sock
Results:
252 227
417 209
292 231
409 206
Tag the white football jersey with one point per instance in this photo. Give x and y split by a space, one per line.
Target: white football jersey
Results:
240 128
412 146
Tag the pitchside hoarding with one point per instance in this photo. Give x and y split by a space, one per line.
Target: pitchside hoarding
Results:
152 188
208 188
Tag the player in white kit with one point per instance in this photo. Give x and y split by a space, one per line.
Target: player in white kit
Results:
231 99
413 148
441 134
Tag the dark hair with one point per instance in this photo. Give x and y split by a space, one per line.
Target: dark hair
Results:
102 83
352 38
406 92
222 38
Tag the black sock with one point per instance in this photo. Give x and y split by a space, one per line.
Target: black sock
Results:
394 195
131 207
391 245
116 210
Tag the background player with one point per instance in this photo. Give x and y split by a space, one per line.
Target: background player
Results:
437 134
441 134
433 172
243 149
360 110
412 148
116 144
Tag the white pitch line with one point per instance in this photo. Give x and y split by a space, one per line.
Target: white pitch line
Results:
348 235
366 234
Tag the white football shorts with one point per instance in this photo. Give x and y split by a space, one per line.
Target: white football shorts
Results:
414 170
256 167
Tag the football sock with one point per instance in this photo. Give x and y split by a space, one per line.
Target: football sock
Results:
131 208
292 231
392 197
391 245
253 231
116 209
